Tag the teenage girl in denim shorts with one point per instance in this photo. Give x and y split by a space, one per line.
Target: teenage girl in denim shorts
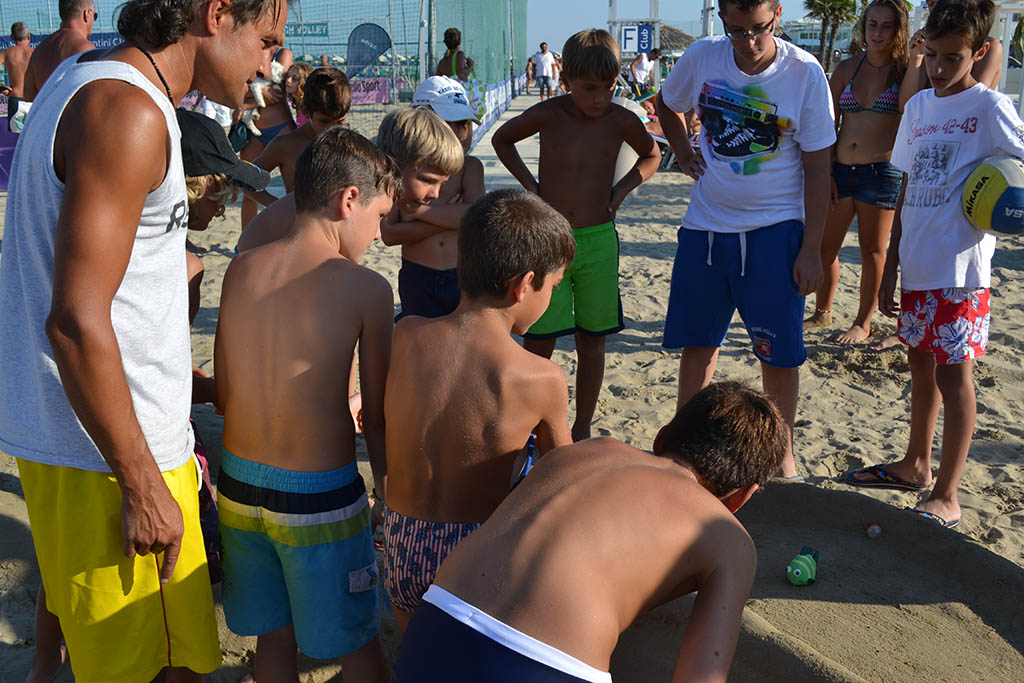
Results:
865 92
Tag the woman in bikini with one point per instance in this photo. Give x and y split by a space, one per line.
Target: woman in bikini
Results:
864 183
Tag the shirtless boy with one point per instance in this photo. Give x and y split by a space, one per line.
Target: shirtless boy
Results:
15 59
463 397
580 138
294 514
72 37
543 589
428 282
326 99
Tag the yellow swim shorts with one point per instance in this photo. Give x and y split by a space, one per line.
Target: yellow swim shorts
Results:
120 624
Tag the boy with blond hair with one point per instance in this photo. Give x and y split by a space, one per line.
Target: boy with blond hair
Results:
945 263
463 397
428 283
299 565
580 138
326 100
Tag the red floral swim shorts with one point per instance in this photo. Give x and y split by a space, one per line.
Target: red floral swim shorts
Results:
952 323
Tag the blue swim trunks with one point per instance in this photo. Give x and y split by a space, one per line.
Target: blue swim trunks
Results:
716 274
427 292
298 550
450 640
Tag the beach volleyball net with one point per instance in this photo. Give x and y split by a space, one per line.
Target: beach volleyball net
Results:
386 47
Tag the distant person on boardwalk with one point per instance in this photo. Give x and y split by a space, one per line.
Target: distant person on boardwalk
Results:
640 70
76 20
455 63
16 59
544 70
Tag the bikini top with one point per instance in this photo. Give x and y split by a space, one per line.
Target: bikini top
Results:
886 103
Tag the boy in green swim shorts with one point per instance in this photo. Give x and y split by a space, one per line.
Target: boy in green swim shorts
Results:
580 137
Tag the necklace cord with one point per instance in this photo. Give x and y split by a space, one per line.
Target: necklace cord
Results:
155 68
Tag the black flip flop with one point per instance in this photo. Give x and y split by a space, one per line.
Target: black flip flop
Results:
882 480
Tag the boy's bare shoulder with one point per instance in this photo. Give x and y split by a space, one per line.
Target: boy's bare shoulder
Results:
536 375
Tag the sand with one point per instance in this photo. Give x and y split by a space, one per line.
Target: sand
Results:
918 603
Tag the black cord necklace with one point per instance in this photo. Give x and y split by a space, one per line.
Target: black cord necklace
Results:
157 69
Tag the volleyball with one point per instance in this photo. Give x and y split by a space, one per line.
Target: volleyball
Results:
993 196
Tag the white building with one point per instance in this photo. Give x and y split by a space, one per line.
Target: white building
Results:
806 33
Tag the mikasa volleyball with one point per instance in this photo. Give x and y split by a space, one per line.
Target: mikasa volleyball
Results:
993 196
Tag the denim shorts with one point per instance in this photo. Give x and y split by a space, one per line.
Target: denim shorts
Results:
544 81
876 184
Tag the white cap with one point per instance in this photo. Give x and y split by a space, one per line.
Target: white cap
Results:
446 97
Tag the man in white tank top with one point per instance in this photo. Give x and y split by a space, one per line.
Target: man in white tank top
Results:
95 380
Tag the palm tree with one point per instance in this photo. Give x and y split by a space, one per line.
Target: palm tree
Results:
833 14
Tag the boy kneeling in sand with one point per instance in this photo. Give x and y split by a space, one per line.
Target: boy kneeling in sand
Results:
299 563
463 397
543 589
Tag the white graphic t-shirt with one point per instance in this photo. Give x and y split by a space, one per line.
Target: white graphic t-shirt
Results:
940 141
544 63
753 131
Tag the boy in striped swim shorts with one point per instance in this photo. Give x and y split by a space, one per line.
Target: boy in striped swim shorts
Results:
299 566
463 396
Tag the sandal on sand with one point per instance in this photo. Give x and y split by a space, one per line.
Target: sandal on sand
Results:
941 521
882 480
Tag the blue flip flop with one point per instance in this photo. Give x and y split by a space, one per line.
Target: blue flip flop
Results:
882 480
941 521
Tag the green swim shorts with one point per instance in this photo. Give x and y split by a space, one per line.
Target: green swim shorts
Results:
587 300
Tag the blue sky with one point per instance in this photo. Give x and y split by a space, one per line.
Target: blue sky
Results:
554 21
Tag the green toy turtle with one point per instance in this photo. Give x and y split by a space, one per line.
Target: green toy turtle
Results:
802 569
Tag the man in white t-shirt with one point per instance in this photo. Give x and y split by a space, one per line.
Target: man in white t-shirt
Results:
945 263
750 236
640 70
544 70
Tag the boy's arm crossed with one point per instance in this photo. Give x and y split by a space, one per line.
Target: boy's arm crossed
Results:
637 137
394 230
504 142
807 270
374 358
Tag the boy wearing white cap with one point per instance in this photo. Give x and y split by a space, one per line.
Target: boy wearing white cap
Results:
428 283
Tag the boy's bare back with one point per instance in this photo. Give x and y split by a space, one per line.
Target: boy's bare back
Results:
461 400
578 155
291 314
283 153
598 533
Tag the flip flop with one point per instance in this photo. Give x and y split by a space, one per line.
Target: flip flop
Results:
941 521
882 480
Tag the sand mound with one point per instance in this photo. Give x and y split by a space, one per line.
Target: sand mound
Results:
918 603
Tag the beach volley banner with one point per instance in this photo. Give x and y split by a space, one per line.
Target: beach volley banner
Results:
498 98
374 90
366 44
100 40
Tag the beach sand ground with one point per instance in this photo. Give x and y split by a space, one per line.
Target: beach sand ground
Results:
918 603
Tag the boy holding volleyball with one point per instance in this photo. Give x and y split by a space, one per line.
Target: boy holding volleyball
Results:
944 316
